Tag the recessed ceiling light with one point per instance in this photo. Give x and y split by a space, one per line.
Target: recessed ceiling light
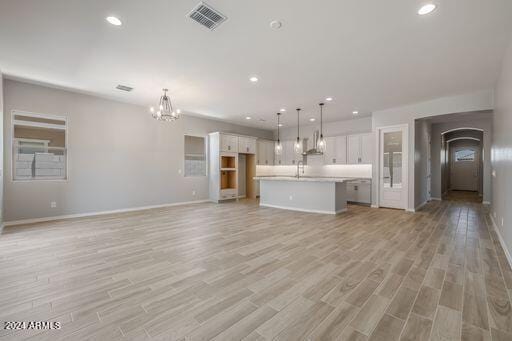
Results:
114 21
426 9
328 99
282 110
254 79
312 119
280 124
248 117
355 112
275 24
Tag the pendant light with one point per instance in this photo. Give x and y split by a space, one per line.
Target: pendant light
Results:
279 146
165 111
321 142
298 143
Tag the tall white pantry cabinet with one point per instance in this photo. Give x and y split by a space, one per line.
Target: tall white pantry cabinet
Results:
224 150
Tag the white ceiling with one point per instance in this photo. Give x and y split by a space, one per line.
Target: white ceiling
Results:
367 54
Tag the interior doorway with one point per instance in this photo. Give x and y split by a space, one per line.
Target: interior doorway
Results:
452 153
465 166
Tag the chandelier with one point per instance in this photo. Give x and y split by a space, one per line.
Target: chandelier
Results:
165 111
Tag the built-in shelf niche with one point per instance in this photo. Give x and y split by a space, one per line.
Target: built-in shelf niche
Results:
228 162
228 179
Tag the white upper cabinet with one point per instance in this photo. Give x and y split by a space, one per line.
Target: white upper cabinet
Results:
353 149
280 159
228 143
265 152
246 145
367 148
336 150
360 149
290 157
270 151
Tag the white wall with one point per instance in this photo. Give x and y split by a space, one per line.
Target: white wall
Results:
502 153
422 137
119 156
477 101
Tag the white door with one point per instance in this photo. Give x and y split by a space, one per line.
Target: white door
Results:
393 167
464 168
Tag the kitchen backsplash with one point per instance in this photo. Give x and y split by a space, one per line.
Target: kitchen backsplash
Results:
349 171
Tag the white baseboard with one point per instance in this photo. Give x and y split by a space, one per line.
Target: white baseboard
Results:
99 213
486 202
374 206
436 199
502 241
304 210
412 210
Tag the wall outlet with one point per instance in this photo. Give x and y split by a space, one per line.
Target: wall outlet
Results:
290 197
53 204
193 192
179 171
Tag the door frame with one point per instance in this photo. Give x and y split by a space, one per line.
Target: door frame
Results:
479 169
405 165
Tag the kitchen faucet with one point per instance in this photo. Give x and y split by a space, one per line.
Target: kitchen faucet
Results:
299 163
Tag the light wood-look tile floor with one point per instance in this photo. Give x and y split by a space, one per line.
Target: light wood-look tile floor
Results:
237 271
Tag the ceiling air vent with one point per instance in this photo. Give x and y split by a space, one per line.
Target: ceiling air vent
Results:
124 88
207 16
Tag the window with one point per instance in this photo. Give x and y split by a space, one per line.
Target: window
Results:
39 146
195 156
464 155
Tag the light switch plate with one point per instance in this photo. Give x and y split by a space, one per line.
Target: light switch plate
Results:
53 204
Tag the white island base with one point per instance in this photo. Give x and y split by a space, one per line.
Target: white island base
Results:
316 195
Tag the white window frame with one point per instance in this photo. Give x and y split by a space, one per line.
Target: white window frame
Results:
64 127
206 157
44 142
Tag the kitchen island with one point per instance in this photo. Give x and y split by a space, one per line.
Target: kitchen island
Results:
306 193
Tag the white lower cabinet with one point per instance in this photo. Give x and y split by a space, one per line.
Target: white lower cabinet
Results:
359 192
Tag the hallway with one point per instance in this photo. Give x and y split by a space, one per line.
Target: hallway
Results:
463 196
